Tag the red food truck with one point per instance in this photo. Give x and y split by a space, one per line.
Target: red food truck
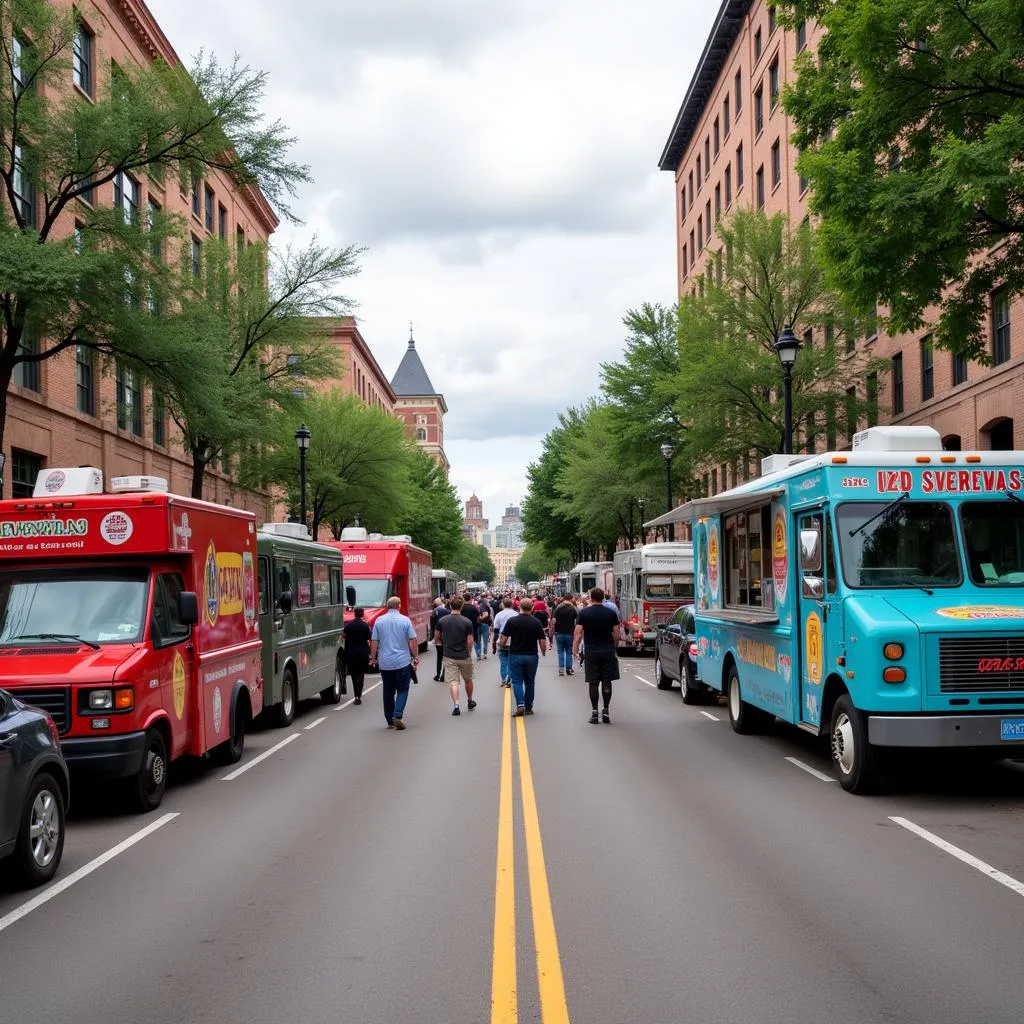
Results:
378 567
131 617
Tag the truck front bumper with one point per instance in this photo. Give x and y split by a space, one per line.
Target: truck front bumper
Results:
946 731
112 756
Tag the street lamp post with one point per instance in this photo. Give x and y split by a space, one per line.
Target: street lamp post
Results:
787 348
667 451
302 436
640 502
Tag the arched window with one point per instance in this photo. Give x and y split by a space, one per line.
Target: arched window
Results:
1000 435
951 443
421 434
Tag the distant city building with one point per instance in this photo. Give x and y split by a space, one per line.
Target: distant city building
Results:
419 404
512 516
508 535
473 522
504 560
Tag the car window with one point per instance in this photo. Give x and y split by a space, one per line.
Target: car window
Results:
688 624
677 618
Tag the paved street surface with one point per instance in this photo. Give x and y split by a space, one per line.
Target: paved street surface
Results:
657 870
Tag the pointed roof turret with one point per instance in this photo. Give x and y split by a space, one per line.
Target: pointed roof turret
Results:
411 376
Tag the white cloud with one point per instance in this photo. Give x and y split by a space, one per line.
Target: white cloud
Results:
498 158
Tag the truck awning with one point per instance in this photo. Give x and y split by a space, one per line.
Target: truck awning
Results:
715 505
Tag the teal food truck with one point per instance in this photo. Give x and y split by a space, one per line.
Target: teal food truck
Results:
875 596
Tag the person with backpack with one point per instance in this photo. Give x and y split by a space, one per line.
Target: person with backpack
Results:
439 612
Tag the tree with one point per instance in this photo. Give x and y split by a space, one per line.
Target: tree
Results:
472 562
357 464
729 379
910 122
433 514
534 563
58 152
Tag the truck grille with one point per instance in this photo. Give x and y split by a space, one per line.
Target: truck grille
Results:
56 702
981 664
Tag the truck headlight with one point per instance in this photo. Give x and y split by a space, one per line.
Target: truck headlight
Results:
101 700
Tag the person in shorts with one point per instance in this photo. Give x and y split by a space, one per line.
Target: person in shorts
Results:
455 635
597 628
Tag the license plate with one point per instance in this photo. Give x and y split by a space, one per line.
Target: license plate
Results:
1012 729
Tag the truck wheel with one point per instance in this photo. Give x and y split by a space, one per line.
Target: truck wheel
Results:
150 781
40 842
854 759
230 751
687 688
332 695
664 682
285 711
743 717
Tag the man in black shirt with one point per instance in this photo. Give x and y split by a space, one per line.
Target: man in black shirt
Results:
564 623
455 633
472 613
357 651
522 635
598 628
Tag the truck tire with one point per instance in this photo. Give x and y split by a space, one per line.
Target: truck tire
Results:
231 750
284 712
853 757
148 784
332 695
743 717
40 842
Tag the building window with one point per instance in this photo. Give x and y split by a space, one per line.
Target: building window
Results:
927 368
771 20
760 187
682 206
24 190
129 400
197 258
773 83
690 192
707 217
208 196
700 177
715 136
1000 325
871 329
700 233
159 417
686 264
81 58
801 35
240 239
421 434
959 369
222 223
85 377
738 84
26 372
726 122
18 49
718 203
776 164
707 155
757 46
25 467
897 384
739 167
693 249
126 197
759 110
802 181
872 399
728 186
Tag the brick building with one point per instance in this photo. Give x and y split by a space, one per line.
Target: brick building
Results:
69 410
729 144
473 522
360 373
419 404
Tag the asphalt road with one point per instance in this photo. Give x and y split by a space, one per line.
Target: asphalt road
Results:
657 870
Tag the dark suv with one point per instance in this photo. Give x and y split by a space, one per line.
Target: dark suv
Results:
675 655
34 791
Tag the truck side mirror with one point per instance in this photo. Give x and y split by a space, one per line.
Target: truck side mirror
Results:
810 550
284 602
188 607
350 596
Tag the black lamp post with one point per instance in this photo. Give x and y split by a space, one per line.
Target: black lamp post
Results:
302 436
667 451
640 502
787 348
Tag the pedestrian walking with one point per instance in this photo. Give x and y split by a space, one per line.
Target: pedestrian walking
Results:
471 612
507 612
541 613
395 650
523 635
455 634
483 627
439 612
357 651
597 627
563 624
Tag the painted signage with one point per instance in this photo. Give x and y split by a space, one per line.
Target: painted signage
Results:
1000 665
981 611
757 653
178 682
116 528
27 528
814 650
780 555
714 576
223 584
951 481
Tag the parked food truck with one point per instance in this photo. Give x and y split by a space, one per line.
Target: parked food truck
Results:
443 583
130 617
302 605
651 582
378 567
875 596
585 576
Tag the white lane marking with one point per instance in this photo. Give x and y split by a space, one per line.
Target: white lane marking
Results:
714 718
647 681
313 725
810 771
261 757
954 851
86 869
351 700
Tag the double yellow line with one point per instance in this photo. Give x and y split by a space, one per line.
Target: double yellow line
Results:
504 999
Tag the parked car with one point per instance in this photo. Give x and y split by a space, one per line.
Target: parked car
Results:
34 792
675 655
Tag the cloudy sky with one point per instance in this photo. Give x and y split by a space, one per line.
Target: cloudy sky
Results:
498 160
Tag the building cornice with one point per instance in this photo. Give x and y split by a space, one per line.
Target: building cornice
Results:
724 34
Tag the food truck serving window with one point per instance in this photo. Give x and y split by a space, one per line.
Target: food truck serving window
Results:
98 606
898 544
748 565
994 535
666 587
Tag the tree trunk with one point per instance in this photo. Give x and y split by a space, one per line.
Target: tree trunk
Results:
199 464
6 373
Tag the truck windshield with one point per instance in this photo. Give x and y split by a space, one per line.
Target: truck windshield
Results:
99 606
668 587
994 535
371 592
912 544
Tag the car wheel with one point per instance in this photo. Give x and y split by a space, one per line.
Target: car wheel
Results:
664 682
230 751
853 757
40 842
332 695
687 687
285 711
743 717
150 781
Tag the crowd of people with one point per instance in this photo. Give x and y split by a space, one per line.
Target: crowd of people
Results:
516 627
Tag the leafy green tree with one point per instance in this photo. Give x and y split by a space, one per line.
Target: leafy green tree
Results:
433 514
910 121
472 562
156 121
534 563
729 380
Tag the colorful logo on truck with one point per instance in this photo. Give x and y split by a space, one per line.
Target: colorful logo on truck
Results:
212 590
224 586
780 556
713 562
814 649
981 611
116 528
178 682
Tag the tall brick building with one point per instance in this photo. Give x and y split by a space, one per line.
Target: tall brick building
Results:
69 410
419 404
730 145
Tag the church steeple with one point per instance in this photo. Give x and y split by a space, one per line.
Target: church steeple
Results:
411 376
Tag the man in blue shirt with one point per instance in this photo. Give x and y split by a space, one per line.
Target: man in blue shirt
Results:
394 648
